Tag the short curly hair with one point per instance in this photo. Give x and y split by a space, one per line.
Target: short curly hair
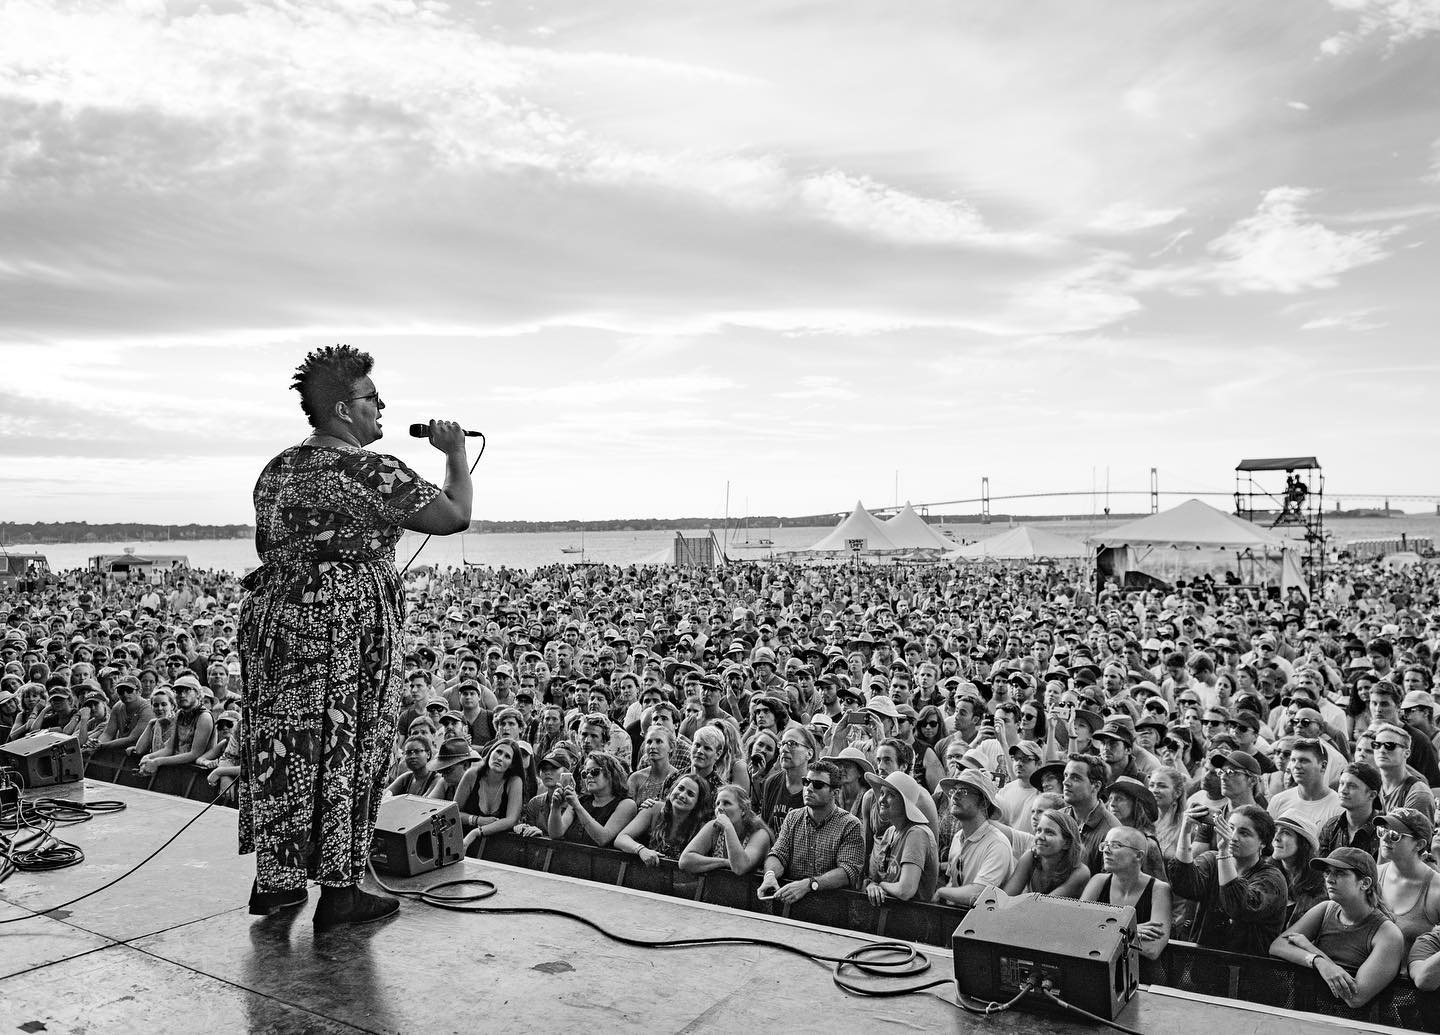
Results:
327 376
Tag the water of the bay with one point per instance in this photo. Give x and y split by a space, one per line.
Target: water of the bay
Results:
532 549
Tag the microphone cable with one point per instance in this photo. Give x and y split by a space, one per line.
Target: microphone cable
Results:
53 856
481 436
892 959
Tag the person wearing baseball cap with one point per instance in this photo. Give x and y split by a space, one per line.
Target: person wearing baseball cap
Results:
1407 880
1349 940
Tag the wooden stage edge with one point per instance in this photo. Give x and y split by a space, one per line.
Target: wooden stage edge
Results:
173 948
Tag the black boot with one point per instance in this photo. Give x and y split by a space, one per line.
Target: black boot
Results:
263 903
350 905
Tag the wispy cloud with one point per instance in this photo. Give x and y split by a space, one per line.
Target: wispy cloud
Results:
1129 216
1394 21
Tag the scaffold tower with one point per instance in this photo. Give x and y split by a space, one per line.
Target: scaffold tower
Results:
1297 502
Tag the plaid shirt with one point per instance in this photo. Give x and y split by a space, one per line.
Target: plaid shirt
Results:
806 849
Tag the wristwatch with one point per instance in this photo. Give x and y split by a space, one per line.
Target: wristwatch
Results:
1313 957
814 884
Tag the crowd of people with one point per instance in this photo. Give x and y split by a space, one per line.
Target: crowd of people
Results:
1250 772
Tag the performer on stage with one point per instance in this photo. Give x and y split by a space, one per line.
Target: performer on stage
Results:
319 638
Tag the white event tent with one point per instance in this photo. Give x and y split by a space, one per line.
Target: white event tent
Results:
859 528
1021 543
909 531
1195 538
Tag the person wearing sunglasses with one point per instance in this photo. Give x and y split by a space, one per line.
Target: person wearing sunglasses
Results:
320 621
819 847
1401 787
1409 883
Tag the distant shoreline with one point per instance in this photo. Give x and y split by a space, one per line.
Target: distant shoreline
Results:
39 533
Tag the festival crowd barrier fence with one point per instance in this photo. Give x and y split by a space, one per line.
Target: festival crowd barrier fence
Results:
1183 966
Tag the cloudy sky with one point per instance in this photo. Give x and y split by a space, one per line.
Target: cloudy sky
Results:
654 245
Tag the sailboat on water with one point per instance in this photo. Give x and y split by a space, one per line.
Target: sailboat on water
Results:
572 548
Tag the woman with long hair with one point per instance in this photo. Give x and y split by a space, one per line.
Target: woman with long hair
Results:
647 785
158 730
1168 786
1241 893
1123 883
762 748
1054 866
1032 723
736 767
735 839
664 830
492 794
596 815
1294 846
709 757
1351 940
925 764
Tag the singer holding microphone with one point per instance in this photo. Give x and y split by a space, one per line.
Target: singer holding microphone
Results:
320 638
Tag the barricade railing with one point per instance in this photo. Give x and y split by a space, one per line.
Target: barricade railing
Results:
181 781
1183 965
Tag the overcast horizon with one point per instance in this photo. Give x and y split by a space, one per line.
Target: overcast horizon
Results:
818 252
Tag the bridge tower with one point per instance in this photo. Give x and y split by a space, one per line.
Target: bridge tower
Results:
1298 503
985 500
1154 491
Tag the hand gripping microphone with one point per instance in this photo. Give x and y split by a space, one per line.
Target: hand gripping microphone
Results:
423 431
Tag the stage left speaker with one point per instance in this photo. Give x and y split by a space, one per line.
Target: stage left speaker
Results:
44 758
416 835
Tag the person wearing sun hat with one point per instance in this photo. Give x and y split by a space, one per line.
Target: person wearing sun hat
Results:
1350 941
981 856
854 765
905 862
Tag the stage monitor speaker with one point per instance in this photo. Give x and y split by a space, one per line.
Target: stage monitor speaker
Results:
416 835
1086 950
44 758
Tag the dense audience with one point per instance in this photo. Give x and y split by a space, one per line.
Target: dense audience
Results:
1250 772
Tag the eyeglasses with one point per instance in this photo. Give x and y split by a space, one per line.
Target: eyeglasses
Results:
590 772
1389 745
1212 722
818 785
373 397
1393 836
1111 846
929 724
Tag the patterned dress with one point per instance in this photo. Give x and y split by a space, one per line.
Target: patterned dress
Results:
320 657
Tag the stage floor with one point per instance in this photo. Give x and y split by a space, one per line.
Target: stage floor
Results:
172 948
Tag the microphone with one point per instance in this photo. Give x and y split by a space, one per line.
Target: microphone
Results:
423 431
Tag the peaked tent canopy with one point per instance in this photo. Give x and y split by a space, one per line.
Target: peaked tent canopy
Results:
1192 524
909 531
1022 543
860 526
